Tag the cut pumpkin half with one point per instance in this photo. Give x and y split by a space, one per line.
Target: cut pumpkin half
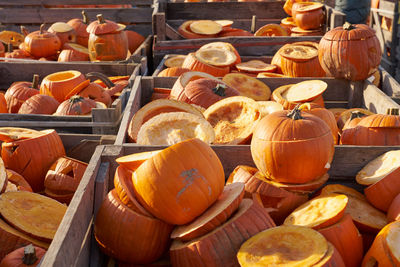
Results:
216 56
271 30
10 134
248 86
206 27
255 66
174 61
133 161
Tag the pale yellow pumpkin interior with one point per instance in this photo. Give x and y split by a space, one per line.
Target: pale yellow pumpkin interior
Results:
206 27
175 61
299 52
216 56
248 86
393 239
63 76
255 66
304 90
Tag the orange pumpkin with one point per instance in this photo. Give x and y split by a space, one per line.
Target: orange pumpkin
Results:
234 32
3 104
19 181
39 104
64 31
308 15
60 84
97 93
172 72
73 52
80 25
76 105
134 40
271 30
19 92
42 43
23 257
195 63
393 213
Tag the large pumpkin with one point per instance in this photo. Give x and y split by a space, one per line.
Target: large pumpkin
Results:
292 146
180 182
19 92
352 52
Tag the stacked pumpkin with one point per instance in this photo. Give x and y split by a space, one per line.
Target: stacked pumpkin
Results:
76 40
182 185
61 93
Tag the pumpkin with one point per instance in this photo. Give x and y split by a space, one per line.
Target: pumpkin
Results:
19 92
248 86
172 72
342 189
3 104
195 62
154 108
107 40
180 182
226 24
393 213
10 134
97 93
32 157
64 175
17 53
132 161
271 30
301 60
233 119
59 84
351 52
80 25
173 127
332 258
42 43
272 146
225 46
308 15
76 105
64 31
385 249
255 66
344 116
283 246
39 220
73 52
226 204
20 183
287 7
216 56
218 248
205 27
293 94
323 114
374 130
11 37
288 23
23 257
234 32
174 61
134 40
134 238
39 104
186 32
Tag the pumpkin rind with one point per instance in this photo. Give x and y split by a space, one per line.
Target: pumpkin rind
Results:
17 258
393 213
248 86
39 104
59 84
194 63
19 181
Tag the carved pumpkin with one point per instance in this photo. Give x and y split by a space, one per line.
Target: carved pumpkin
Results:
11 37
80 25
287 7
59 84
64 31
107 40
24 256
180 182
42 43
76 105
351 52
39 104
73 52
271 30
308 15
195 62
224 46
308 158
19 92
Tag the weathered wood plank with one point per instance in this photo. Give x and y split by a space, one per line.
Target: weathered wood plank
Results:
375 100
70 2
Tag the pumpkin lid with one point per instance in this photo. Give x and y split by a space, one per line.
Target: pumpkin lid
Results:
349 32
224 22
299 51
206 27
306 90
255 66
174 61
60 27
309 7
102 26
216 57
288 21
248 86
271 30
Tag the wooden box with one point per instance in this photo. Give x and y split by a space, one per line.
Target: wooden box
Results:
101 121
169 16
340 94
74 244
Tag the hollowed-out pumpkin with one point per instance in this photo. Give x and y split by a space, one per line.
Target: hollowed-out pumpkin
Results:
174 61
233 119
271 30
342 189
32 157
352 52
59 84
308 15
97 93
76 105
196 63
20 183
248 86
80 25
224 46
134 238
64 31
219 247
284 246
299 188
33 214
10 134
180 182
42 43
287 7
73 52
24 256
11 37
301 60
19 92
306 150
39 104
107 40
154 108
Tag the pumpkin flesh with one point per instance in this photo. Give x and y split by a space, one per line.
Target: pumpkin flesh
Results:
248 86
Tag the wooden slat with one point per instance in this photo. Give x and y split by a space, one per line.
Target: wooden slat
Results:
375 100
389 85
69 2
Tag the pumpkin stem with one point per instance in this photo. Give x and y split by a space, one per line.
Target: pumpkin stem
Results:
100 18
219 89
35 81
24 30
85 17
9 47
100 76
295 114
392 111
348 26
75 99
41 28
29 255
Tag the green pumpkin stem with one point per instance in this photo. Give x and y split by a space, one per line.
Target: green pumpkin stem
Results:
85 17
29 255
100 18
295 114
392 111
348 26
35 81
219 89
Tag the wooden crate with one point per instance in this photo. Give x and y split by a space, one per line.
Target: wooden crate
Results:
74 244
340 94
101 121
169 16
39 3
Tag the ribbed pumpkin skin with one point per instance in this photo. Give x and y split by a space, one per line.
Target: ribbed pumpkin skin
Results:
219 247
309 19
42 44
17 94
108 47
76 105
39 104
33 157
134 40
374 130
59 84
347 240
292 151
3 104
15 258
68 55
350 54
82 36
191 62
127 235
181 182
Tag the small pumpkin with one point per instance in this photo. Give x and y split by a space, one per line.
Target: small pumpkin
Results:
64 31
39 104
23 257
73 52
80 25
59 84
76 105
308 15
19 92
42 43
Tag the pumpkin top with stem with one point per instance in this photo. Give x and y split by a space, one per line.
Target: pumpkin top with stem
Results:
295 114
219 89
85 18
29 255
102 26
350 32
